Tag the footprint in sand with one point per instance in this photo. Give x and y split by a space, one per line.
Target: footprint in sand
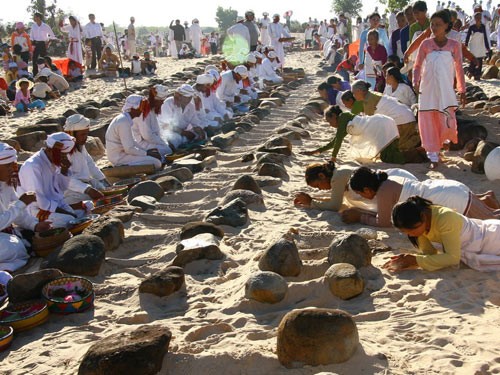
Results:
139 318
204 332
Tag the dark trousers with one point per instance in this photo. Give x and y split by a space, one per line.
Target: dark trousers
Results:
475 71
40 50
96 46
25 56
213 48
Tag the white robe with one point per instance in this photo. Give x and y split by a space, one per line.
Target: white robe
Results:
277 31
147 133
268 73
264 31
84 174
174 119
399 112
75 51
196 34
215 107
171 45
228 87
13 254
121 147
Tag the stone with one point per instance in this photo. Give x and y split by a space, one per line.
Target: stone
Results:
273 170
92 103
109 103
267 287
491 72
95 148
144 202
70 112
247 182
352 249
247 196
316 337
109 229
495 109
482 151
282 150
118 95
267 104
124 213
169 183
282 258
261 113
52 120
92 112
182 174
271 158
223 141
479 105
344 280
201 246
278 142
245 126
297 132
137 351
228 126
264 181
197 227
247 157
81 255
193 165
31 141
99 131
47 128
234 213
149 188
28 286
163 283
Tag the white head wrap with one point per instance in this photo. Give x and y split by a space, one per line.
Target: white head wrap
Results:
204 79
275 15
45 72
132 102
258 55
76 122
210 67
8 154
67 141
239 18
110 46
215 74
242 71
161 92
251 58
272 55
185 90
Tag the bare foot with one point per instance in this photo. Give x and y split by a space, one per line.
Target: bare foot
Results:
433 165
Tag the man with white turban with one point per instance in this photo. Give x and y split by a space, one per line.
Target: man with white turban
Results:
146 129
267 71
196 35
230 87
264 29
179 120
277 34
47 174
212 103
86 180
202 87
14 214
121 147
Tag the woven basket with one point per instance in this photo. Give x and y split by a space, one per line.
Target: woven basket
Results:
128 182
115 190
105 204
77 226
25 315
46 242
6 336
65 286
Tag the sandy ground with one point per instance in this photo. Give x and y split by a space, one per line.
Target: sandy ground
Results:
417 322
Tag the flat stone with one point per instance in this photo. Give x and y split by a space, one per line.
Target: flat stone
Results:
267 287
163 283
95 148
92 112
13 143
28 286
350 248
316 337
70 112
144 202
201 246
490 72
194 228
31 141
182 174
123 213
249 197
344 280
109 103
282 258
137 351
282 150
47 128
149 188
109 229
81 255
264 181
234 213
271 158
247 157
273 170
169 183
247 182
193 165
225 140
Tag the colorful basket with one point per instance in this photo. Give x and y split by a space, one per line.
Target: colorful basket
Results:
6 336
105 204
115 190
46 242
25 315
67 295
77 226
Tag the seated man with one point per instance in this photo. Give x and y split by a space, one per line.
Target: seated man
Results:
13 254
216 107
148 66
47 174
109 62
230 87
179 119
121 147
267 72
86 178
201 101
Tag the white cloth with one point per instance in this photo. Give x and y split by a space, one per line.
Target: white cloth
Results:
391 107
55 80
93 30
277 31
147 133
76 122
13 211
447 193
174 119
239 34
215 107
438 66
75 50
171 45
267 72
135 66
264 31
8 154
121 147
476 45
370 135
228 87
42 33
67 141
40 90
491 165
403 93
196 34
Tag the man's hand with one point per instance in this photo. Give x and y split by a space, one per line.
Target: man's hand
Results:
302 200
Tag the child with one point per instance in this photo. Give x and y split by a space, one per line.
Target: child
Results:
443 62
135 65
346 66
148 65
42 90
21 38
11 74
88 53
22 70
75 73
477 41
7 57
22 101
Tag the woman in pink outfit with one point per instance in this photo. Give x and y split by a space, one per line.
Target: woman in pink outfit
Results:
438 63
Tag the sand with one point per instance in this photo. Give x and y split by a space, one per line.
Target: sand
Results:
442 322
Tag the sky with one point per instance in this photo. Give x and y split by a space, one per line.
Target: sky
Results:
161 12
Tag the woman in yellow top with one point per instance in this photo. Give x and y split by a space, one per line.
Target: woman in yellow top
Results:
472 241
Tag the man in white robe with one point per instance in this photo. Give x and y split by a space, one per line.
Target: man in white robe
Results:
47 173
213 103
87 180
207 114
267 71
230 87
264 29
121 147
277 32
239 36
196 35
14 214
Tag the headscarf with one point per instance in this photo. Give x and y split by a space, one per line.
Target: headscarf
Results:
132 102
251 58
210 67
185 90
241 70
8 154
217 79
61 141
204 79
76 122
161 92
272 55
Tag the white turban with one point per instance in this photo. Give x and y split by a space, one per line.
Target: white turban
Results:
76 122
185 90
204 79
215 74
210 67
275 15
251 58
8 154
45 72
132 102
272 55
257 55
242 71
161 92
67 141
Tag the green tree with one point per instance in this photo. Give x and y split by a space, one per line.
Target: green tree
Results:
351 7
51 14
394 5
225 17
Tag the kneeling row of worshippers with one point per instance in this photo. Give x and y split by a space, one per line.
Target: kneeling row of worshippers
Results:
54 186
150 128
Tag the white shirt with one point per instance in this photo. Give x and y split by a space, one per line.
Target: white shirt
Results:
228 87
42 33
83 170
403 93
239 30
13 211
267 71
399 112
277 31
92 30
119 139
174 118
148 129
58 82
40 90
